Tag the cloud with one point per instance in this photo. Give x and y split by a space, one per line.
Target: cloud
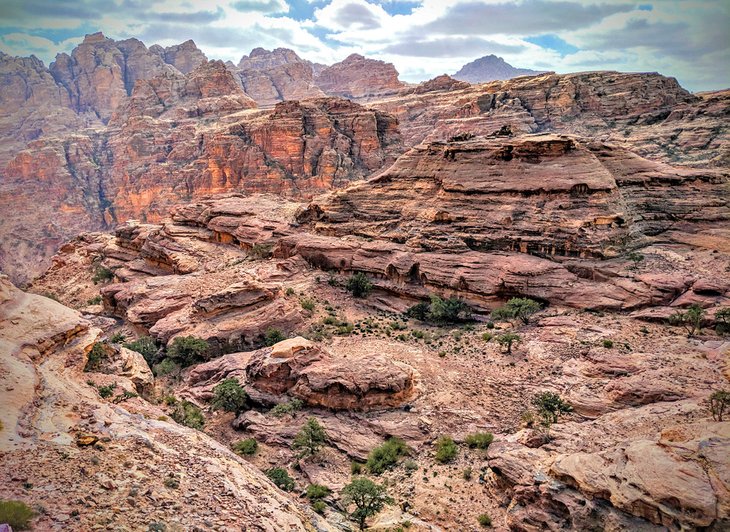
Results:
263 6
521 18
451 47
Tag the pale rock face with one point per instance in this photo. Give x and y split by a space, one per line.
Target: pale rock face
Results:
186 56
359 77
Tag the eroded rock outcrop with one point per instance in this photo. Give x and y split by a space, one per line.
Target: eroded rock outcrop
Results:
50 412
359 77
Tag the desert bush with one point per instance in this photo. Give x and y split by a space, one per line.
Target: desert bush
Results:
145 346
187 350
719 402
722 321
247 447
487 337
550 406
385 456
310 438
355 468
439 310
273 336
102 275
446 449
308 304
230 396
479 440
117 338
17 514
690 320
106 391
508 340
517 308
317 491
94 300
186 413
319 506
165 367
359 285
466 473
280 478
288 408
484 520
608 344
367 497
96 355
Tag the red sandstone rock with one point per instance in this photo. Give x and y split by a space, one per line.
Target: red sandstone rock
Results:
359 77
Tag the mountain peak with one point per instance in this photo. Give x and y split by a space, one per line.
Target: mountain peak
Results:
491 68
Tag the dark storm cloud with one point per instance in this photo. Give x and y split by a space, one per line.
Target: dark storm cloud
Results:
451 47
357 15
672 39
523 18
24 9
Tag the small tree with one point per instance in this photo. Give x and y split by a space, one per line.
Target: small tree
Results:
719 402
550 406
691 320
310 438
359 285
187 350
507 340
367 496
451 310
722 320
520 308
230 396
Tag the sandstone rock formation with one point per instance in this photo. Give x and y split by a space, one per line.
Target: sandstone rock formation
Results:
48 407
359 77
272 77
186 56
491 68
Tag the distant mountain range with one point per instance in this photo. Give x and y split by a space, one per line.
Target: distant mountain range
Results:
491 68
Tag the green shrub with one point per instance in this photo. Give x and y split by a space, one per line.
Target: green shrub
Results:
273 336
446 449
96 355
550 406
247 447
317 491
608 344
385 456
166 367
96 300
451 310
319 507
308 304
466 473
117 338
107 391
410 466
484 520
280 478
230 396
355 468
289 291
288 408
145 346
359 285
479 440
187 350
517 308
367 496
17 514
487 337
186 413
102 275
310 438
722 321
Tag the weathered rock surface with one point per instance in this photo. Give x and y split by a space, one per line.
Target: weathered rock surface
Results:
186 56
491 218
272 77
48 408
491 68
359 77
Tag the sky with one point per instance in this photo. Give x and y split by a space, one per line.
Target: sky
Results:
689 40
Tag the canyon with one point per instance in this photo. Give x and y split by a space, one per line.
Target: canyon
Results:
151 196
